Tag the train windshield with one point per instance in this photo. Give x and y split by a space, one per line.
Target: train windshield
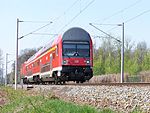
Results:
76 50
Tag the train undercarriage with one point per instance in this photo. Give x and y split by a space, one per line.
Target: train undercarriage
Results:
73 73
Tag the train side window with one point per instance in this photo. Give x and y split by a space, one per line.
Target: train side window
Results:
34 64
53 55
38 63
57 50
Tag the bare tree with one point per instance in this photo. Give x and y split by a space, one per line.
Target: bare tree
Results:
142 50
24 56
1 66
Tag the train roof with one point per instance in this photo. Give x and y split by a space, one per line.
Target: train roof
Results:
76 33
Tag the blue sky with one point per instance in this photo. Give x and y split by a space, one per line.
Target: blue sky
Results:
61 12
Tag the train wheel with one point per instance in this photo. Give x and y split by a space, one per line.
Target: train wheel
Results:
77 82
82 81
56 80
64 82
24 80
42 81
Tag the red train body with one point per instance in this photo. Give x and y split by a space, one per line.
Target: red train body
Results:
67 58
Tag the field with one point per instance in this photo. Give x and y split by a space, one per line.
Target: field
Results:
21 101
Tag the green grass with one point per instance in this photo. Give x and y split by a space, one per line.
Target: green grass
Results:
21 102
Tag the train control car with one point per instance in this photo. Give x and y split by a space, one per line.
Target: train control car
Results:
69 57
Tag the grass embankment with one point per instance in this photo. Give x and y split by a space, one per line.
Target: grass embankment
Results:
32 102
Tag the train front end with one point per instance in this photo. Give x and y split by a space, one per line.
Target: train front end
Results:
77 55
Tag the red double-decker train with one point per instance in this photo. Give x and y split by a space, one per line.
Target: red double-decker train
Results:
69 57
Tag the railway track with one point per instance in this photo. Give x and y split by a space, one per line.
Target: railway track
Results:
111 84
30 86
94 84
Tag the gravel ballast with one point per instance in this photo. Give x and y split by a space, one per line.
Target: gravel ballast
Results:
118 98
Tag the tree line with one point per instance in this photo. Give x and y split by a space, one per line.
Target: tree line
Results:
107 57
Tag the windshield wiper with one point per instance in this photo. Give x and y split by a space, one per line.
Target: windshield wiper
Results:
66 55
76 54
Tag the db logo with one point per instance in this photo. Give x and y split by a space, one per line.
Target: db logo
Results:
76 61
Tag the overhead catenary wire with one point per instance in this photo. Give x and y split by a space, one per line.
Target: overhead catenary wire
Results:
105 33
68 9
30 21
144 12
44 34
132 18
81 11
96 36
120 11
71 6
57 18
104 24
35 30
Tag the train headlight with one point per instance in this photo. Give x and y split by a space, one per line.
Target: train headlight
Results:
65 61
88 62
